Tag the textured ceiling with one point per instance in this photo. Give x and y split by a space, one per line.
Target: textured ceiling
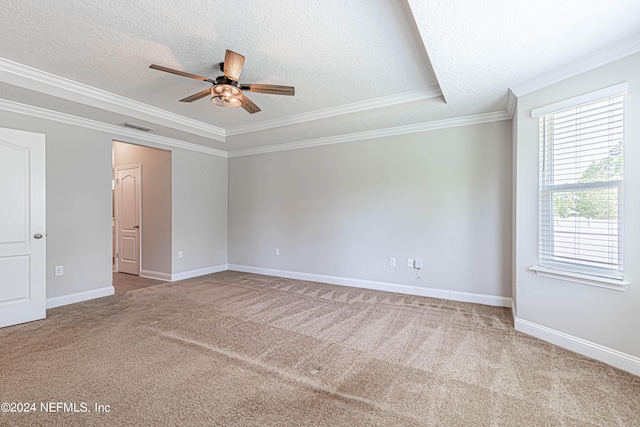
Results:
480 48
357 65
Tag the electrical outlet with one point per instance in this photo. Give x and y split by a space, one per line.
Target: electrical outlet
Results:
276 251
59 270
392 262
417 263
180 254
410 263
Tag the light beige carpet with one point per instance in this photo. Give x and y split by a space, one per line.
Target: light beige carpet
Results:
235 349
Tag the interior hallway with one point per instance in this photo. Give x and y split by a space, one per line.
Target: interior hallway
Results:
123 282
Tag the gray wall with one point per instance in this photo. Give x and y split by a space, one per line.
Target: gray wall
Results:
603 316
79 204
514 201
78 171
342 210
156 202
199 211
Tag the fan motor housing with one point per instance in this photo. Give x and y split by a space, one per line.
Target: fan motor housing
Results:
224 80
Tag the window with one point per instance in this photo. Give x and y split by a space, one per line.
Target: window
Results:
581 184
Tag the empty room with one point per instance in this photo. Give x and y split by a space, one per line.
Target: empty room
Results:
298 213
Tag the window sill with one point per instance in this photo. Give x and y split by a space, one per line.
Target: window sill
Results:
601 282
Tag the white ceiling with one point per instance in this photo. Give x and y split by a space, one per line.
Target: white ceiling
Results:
358 66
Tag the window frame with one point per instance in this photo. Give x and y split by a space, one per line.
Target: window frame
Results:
573 271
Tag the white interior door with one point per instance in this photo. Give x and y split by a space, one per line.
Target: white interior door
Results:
22 227
128 218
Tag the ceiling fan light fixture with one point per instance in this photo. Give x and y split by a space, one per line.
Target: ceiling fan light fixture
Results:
227 96
226 91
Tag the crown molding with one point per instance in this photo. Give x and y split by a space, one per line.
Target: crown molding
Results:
378 133
115 131
355 107
511 103
118 131
34 79
600 58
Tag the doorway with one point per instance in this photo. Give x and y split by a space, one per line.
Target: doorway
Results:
141 211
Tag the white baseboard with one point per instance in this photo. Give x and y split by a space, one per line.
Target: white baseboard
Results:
79 297
199 272
493 300
155 275
612 357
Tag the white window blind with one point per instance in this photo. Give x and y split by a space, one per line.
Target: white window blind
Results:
581 177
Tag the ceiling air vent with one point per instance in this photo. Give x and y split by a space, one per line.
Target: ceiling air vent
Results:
136 127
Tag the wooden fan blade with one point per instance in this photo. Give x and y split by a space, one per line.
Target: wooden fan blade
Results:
272 89
249 106
233 63
197 96
180 73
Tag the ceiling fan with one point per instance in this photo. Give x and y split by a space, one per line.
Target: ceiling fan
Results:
226 91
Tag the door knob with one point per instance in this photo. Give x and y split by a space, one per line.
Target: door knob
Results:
37 236
136 226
